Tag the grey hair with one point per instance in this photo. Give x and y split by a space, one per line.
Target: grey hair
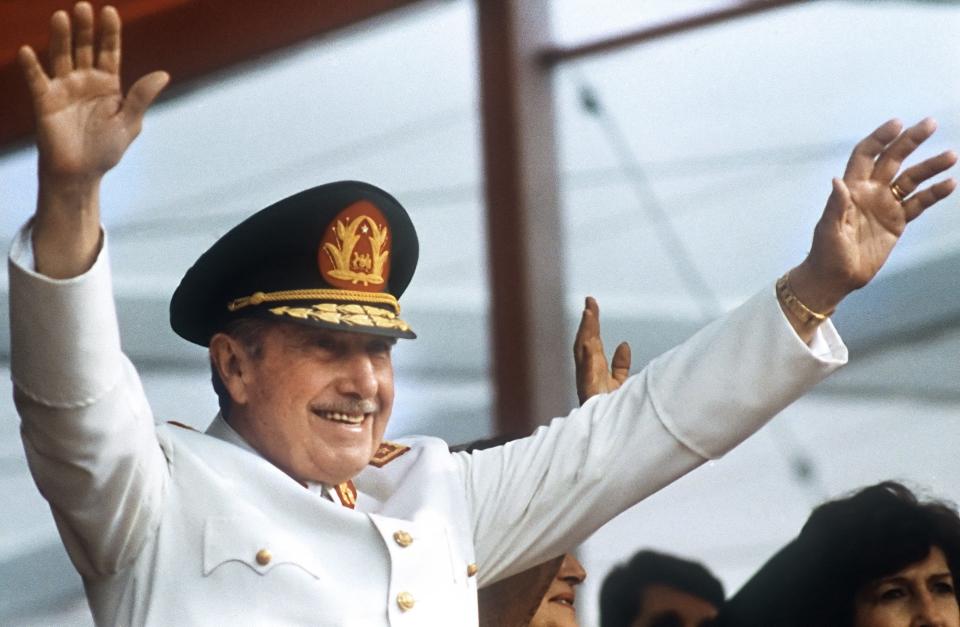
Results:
249 332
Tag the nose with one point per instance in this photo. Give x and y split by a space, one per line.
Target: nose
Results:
927 612
571 570
358 376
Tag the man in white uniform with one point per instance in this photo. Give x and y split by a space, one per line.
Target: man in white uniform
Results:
291 509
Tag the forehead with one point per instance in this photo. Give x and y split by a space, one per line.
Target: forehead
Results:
934 564
659 598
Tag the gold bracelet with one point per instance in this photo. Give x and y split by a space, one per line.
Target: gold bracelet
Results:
794 305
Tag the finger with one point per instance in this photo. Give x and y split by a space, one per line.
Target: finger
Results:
919 202
37 80
83 25
591 370
620 364
589 329
860 165
108 59
141 96
590 303
912 177
892 157
61 59
838 201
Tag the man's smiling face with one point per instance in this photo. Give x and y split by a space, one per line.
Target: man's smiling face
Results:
314 402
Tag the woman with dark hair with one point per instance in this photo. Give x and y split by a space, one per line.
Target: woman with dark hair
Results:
878 558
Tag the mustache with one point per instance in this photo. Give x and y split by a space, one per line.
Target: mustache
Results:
351 408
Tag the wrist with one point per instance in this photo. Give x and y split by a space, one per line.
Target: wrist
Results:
68 186
66 228
815 289
803 319
68 201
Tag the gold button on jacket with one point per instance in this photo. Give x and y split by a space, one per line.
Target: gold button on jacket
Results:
403 538
406 601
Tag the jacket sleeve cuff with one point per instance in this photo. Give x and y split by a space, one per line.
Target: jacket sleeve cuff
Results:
64 337
741 369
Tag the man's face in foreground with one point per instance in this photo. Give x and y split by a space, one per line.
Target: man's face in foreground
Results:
666 606
557 607
314 402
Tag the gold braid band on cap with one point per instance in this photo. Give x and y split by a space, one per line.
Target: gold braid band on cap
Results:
794 305
348 315
350 296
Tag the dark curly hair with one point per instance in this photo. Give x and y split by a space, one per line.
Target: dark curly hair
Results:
623 587
872 534
844 545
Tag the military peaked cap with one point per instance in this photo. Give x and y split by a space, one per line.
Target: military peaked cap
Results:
337 256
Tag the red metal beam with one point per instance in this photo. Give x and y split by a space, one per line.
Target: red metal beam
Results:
188 38
554 55
531 368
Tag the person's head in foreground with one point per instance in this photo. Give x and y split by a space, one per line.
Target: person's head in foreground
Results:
888 560
658 590
558 606
542 596
298 306
879 558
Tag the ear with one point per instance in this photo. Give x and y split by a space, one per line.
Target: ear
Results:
232 362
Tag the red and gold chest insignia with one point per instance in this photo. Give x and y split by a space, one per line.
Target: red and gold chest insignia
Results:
347 493
354 253
387 452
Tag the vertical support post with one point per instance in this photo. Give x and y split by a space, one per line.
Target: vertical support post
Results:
532 369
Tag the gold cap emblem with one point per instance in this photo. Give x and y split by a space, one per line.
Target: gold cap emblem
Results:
355 251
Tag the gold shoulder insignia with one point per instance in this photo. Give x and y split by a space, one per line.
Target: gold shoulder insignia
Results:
181 425
347 493
387 452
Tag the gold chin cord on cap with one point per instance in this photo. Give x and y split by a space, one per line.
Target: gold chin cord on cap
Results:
897 192
794 305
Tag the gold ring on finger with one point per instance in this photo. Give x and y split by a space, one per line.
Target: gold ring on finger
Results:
897 192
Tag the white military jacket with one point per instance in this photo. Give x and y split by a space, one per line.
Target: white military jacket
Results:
172 527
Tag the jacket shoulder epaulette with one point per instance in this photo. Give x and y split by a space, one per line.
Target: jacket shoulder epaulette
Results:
387 452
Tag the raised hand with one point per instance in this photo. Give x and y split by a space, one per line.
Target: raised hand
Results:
867 213
84 125
593 375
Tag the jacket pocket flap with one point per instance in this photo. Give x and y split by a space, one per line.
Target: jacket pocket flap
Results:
254 543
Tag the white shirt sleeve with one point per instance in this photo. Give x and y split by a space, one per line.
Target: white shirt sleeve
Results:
87 430
535 498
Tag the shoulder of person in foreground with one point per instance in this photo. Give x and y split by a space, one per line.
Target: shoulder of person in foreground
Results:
876 552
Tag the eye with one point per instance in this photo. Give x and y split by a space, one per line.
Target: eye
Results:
667 619
892 594
943 587
325 342
381 347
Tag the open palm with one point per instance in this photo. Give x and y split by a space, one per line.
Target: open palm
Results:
593 375
84 123
870 207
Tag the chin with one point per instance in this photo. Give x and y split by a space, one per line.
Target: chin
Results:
342 472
